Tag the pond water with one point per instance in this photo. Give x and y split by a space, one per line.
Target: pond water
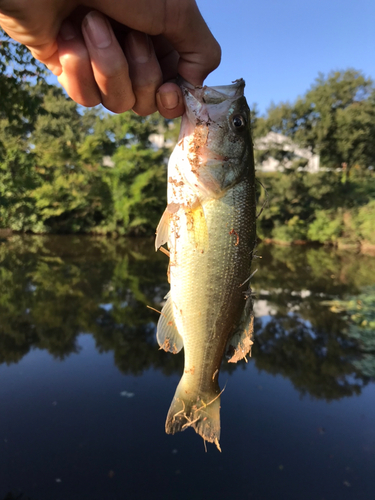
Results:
84 389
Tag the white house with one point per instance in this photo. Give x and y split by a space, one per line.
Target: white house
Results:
278 141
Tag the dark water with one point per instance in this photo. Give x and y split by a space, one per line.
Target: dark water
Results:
84 390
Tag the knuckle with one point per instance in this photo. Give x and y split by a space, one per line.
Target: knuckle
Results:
141 110
217 55
87 102
119 106
214 58
146 87
114 71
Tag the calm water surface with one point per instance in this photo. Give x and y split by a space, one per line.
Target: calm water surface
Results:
84 390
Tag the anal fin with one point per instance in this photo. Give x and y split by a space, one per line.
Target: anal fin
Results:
167 334
241 341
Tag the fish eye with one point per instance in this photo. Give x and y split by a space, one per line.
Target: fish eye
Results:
239 122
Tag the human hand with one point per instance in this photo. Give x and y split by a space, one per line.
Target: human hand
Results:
121 52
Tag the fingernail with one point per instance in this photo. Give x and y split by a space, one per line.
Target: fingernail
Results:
169 100
97 29
139 46
67 31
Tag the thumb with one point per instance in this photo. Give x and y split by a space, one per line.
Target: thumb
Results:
199 51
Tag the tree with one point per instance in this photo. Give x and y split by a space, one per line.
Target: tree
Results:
53 176
80 192
22 86
72 195
19 71
335 118
137 180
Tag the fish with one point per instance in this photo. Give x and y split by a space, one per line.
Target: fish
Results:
209 225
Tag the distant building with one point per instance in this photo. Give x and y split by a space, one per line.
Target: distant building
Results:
158 141
281 142
108 162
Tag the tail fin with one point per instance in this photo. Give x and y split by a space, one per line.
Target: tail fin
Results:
199 411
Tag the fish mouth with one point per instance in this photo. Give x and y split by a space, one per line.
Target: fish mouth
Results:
204 105
213 95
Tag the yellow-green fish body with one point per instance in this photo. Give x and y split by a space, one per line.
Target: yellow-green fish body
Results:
209 225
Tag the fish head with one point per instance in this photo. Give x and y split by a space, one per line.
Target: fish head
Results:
216 137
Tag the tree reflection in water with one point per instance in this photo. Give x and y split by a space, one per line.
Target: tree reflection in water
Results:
54 288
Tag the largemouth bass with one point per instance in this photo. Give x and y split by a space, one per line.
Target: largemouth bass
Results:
209 225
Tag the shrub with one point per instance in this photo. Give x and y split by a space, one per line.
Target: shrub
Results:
366 222
327 226
294 229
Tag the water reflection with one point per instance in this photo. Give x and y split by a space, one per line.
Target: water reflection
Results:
305 338
54 288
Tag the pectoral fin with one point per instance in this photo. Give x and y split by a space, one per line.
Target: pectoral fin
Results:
162 231
240 343
167 334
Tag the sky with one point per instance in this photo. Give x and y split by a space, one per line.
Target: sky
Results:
280 46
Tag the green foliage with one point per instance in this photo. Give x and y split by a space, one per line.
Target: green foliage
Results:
327 226
336 119
65 170
359 312
317 207
366 222
53 179
22 84
293 230
138 177
18 71
303 338
54 288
